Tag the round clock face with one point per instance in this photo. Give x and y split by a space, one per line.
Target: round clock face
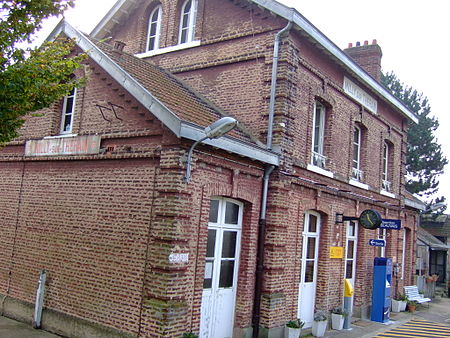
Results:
370 219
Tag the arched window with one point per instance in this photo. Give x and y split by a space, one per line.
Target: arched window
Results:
154 29
187 21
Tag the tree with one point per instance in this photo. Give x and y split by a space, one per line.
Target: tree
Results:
424 159
31 79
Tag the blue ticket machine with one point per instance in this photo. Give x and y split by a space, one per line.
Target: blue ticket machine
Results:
381 293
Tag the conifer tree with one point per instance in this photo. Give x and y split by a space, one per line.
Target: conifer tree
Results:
424 160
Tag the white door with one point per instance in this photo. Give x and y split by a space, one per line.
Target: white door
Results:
308 274
221 269
350 253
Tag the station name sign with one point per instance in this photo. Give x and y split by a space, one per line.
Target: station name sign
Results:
77 145
360 95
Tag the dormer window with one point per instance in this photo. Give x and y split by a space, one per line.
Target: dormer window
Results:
68 112
187 21
154 29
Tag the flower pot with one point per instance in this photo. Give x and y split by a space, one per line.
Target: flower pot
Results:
396 305
290 332
411 307
337 321
319 328
403 305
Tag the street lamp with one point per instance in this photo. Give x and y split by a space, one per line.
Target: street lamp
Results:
214 130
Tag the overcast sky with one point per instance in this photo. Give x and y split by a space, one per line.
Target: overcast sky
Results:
413 35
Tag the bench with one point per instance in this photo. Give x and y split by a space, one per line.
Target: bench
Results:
412 292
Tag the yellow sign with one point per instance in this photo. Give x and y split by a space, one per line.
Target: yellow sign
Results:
336 252
348 288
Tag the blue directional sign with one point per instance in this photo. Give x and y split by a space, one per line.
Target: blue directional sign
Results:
393 224
377 242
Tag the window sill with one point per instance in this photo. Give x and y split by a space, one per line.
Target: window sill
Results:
319 170
358 184
182 46
387 193
60 136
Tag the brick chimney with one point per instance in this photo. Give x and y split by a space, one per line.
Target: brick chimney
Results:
367 56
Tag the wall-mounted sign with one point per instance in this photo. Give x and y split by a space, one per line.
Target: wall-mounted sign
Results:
360 95
78 145
175 258
393 224
377 242
336 252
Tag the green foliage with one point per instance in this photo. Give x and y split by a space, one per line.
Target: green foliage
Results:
189 335
338 310
425 160
401 297
320 316
31 79
295 324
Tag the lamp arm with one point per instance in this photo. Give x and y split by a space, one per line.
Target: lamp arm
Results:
187 177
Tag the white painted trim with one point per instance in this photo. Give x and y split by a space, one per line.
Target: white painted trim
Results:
61 136
320 171
358 184
387 193
230 144
170 49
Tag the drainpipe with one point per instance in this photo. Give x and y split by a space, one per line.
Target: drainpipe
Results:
268 170
273 88
260 254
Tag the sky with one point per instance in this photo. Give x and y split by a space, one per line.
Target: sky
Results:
413 35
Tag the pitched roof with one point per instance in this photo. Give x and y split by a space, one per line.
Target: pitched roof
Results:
427 238
122 7
177 106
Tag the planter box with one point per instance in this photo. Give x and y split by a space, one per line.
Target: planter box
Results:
319 328
337 321
290 332
398 305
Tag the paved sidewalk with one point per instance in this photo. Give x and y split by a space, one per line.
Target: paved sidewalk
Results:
13 329
438 311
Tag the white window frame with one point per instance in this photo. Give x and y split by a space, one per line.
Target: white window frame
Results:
151 23
72 96
386 184
318 158
357 173
191 21
351 238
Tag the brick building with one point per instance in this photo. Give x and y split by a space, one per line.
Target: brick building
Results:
93 190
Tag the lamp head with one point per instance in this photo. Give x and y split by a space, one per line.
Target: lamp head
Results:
220 127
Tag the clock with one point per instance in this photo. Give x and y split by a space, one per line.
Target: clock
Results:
370 219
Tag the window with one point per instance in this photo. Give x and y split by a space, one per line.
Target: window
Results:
154 29
317 157
187 21
68 112
357 173
386 183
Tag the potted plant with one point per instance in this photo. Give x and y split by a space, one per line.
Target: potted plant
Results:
189 335
293 328
338 315
320 323
412 304
399 303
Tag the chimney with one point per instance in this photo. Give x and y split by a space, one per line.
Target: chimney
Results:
367 56
119 45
